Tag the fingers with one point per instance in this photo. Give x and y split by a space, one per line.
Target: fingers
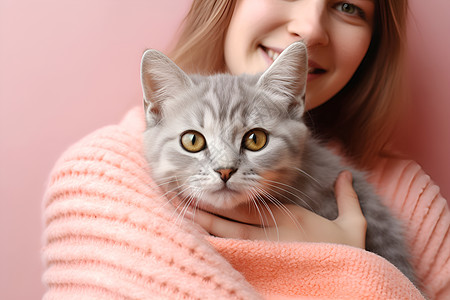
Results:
347 200
221 227
249 213
351 218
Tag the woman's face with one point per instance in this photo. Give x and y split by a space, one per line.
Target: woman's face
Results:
336 33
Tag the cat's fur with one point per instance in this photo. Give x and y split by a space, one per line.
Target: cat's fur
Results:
292 165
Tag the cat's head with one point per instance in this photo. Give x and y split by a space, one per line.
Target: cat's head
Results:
223 140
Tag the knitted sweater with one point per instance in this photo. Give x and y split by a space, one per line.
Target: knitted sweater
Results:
109 234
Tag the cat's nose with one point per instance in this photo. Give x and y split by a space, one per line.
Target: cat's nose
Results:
225 174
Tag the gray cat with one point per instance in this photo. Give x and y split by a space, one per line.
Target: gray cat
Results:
217 140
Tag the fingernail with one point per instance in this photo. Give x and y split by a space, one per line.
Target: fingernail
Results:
347 174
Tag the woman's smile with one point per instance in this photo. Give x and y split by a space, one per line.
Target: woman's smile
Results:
337 40
270 54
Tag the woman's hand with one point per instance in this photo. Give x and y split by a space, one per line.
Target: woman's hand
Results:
299 224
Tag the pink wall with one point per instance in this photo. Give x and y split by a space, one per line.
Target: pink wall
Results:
429 132
69 67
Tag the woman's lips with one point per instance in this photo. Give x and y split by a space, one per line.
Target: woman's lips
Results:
314 70
270 54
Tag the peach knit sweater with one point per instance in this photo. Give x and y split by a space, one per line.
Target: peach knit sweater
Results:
108 235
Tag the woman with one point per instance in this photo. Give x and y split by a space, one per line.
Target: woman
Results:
109 236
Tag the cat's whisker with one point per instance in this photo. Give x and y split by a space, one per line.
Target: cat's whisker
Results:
283 208
262 216
253 200
168 201
177 194
288 186
177 186
196 204
272 186
306 174
168 180
262 200
160 184
176 211
171 190
181 208
160 179
186 204
191 202
198 196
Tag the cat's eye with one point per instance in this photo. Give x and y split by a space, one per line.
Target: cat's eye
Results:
254 140
192 141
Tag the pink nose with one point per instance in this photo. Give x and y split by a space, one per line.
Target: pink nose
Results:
225 174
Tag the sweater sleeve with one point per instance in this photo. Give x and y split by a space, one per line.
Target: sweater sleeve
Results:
109 235
415 199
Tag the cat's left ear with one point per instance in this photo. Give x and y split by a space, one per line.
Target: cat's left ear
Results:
286 77
161 80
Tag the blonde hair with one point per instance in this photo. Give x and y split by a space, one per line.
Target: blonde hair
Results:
200 47
361 115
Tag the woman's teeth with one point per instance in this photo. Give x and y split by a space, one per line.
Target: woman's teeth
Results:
272 54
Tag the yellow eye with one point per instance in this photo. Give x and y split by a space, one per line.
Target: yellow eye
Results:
255 140
192 141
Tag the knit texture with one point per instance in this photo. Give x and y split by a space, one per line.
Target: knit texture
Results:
110 234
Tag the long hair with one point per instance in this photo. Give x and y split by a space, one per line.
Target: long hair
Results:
360 116
200 47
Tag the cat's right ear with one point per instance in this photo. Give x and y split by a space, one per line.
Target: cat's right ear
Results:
286 78
161 80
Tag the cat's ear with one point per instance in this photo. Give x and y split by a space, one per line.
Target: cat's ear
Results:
161 80
287 76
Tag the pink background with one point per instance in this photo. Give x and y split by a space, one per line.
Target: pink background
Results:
70 67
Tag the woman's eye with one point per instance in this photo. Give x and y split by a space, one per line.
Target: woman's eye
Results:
350 9
192 141
254 140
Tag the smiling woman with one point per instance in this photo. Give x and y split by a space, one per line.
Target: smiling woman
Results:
110 233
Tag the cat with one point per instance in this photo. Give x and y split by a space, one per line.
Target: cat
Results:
216 140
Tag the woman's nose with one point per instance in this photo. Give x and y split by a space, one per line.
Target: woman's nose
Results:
309 22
